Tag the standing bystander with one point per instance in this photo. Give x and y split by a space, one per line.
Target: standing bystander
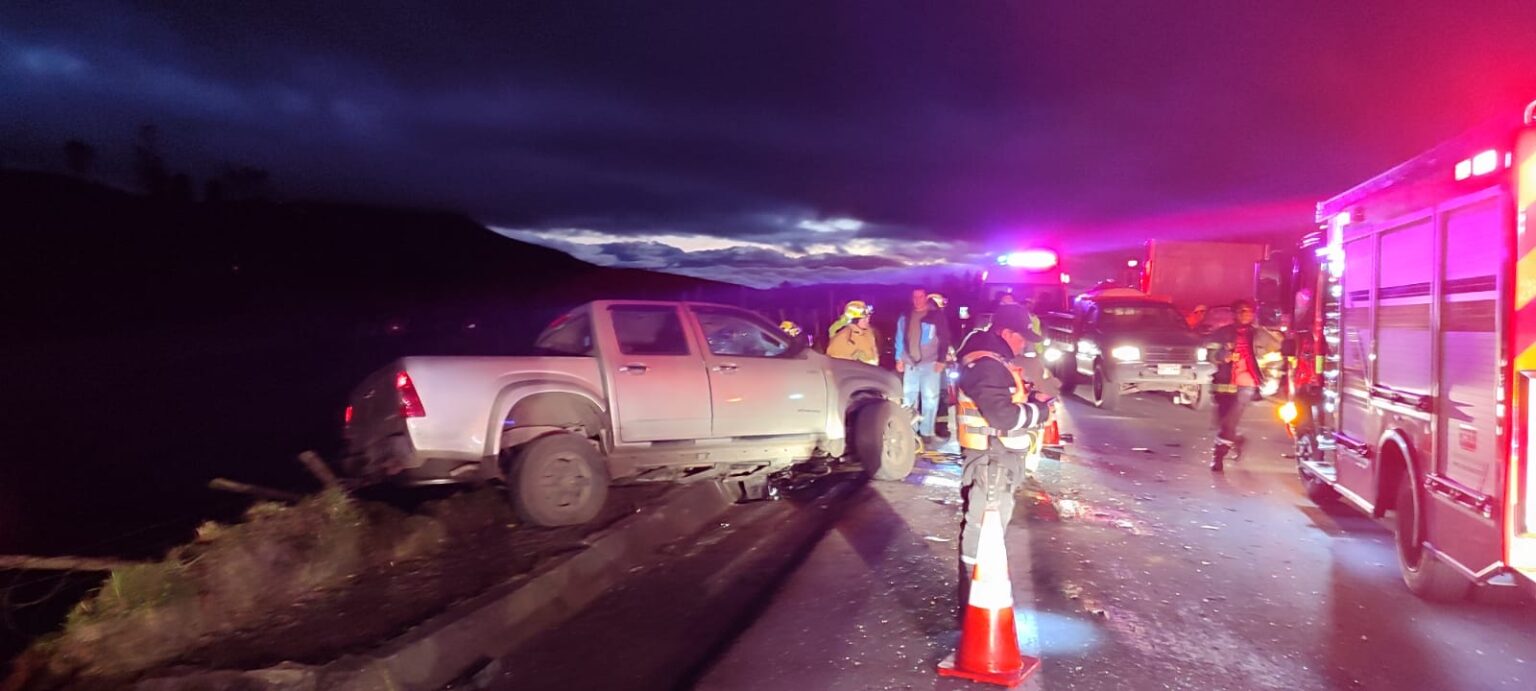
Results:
923 345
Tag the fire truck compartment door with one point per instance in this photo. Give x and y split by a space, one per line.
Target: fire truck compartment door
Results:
1467 411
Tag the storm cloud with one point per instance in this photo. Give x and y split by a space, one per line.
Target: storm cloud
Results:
799 141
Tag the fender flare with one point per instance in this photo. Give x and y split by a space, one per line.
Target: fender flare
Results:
1386 476
516 392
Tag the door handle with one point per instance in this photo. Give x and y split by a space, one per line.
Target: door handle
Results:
725 368
634 368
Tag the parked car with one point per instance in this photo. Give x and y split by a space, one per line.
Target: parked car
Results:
1121 341
627 391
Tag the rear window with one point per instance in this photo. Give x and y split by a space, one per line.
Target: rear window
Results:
645 330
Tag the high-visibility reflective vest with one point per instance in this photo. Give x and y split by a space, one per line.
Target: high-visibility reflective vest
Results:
1034 325
974 431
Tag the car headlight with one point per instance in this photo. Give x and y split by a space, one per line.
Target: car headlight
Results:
1052 355
1126 353
1203 354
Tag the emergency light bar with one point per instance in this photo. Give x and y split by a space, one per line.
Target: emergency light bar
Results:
1482 164
1032 260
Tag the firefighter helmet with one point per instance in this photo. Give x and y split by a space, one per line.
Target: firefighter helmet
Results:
789 327
857 309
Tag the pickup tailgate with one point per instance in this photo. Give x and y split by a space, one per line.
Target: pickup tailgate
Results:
422 407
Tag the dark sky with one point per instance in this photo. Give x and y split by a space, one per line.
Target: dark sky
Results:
779 140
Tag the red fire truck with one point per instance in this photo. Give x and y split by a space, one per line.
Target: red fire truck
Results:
1414 355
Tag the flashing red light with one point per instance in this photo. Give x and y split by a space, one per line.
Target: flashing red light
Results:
347 416
1031 260
410 401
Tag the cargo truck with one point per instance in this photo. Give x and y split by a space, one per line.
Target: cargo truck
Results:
1190 273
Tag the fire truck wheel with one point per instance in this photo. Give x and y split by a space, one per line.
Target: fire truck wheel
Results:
1106 394
883 442
1425 575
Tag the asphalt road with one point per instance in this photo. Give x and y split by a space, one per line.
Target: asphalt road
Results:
1134 567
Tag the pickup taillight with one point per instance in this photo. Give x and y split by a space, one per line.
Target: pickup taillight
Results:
410 401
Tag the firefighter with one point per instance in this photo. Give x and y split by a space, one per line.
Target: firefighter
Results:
794 331
1196 317
852 337
1238 379
999 419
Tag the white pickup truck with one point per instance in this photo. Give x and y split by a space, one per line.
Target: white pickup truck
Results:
627 391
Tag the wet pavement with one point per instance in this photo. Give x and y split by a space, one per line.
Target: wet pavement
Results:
1134 567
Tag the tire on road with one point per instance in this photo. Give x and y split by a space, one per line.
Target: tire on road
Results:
883 442
1424 574
555 480
1066 374
1106 394
1202 400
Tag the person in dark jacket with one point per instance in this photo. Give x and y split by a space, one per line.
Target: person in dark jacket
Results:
923 345
995 414
1238 379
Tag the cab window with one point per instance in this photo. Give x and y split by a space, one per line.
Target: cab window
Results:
1140 317
569 335
649 330
741 334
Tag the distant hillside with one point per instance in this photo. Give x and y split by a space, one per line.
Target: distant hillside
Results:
83 257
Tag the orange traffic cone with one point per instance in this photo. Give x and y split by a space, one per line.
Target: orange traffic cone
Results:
989 643
1052 434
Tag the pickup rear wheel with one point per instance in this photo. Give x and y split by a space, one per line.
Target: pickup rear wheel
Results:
555 480
1423 572
883 442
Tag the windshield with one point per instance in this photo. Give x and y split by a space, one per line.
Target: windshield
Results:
1140 317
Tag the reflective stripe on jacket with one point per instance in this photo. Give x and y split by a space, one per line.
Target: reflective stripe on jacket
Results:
974 432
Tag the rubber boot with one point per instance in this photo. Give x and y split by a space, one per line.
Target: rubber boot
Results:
1218 454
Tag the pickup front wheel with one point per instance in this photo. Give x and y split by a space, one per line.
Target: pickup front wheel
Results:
558 479
883 441
1106 394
